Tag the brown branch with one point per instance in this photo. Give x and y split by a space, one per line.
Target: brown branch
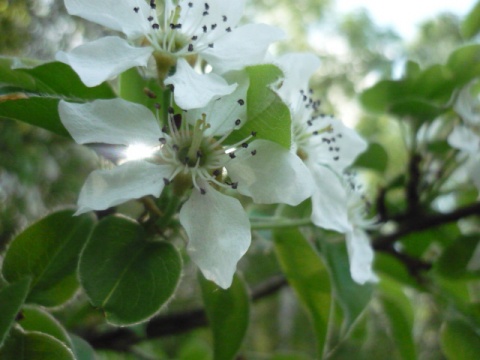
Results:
165 325
421 223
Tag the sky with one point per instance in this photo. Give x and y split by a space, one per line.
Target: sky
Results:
405 15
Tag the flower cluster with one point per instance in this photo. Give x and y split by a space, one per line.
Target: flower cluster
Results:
197 150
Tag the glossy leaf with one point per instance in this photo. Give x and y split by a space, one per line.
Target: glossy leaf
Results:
34 346
399 312
36 319
374 158
459 341
37 111
267 115
12 298
309 277
471 24
81 349
48 252
228 315
352 297
125 274
53 78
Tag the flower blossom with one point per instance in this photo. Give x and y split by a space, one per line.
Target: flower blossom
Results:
175 34
466 137
191 151
327 147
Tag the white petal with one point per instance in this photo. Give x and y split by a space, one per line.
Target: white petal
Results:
224 14
297 69
338 148
218 231
463 138
360 254
473 168
468 104
245 45
104 59
273 175
132 180
329 200
114 14
224 112
114 121
192 90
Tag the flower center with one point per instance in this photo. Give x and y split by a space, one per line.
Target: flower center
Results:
196 34
195 154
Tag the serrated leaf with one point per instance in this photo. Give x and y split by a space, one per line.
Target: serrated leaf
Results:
352 297
126 275
34 346
228 314
374 158
459 341
420 110
12 298
48 252
399 312
267 115
471 24
308 276
36 319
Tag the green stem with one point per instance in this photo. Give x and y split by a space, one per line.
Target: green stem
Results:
273 223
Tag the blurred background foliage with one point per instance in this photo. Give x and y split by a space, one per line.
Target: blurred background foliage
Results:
40 171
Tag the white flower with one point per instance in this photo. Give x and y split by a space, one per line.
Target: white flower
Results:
324 143
191 153
327 147
466 137
360 252
175 32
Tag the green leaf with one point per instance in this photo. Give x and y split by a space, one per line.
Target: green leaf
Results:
399 312
53 79
267 115
36 319
34 346
378 98
81 349
125 274
309 277
374 158
459 341
420 110
465 64
454 259
37 111
228 315
352 297
12 298
133 87
48 252
390 266
471 24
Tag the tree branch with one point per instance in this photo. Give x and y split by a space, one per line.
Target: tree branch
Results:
122 339
421 223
